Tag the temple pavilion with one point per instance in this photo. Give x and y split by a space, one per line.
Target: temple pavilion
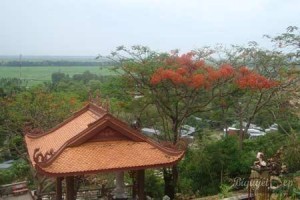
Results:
93 141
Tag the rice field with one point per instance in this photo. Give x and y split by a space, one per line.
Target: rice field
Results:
40 74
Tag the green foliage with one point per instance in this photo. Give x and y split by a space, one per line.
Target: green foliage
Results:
81 91
153 184
21 170
85 77
215 163
268 144
10 86
44 106
289 189
292 152
18 172
37 106
6 177
225 191
185 185
289 123
87 84
16 146
40 107
197 176
94 85
58 76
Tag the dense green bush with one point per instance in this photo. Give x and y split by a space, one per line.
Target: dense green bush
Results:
154 184
19 171
6 176
214 163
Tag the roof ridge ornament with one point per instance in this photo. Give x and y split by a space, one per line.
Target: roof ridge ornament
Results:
97 100
136 124
181 145
29 129
42 159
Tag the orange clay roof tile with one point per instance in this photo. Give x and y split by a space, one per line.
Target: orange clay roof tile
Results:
93 141
109 156
54 140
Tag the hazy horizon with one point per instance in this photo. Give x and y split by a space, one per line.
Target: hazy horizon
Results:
89 28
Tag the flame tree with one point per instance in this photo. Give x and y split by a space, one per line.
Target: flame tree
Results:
178 86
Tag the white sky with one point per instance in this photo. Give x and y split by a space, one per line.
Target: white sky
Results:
90 27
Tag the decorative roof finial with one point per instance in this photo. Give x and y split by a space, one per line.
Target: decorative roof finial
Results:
28 128
136 124
97 100
107 104
90 95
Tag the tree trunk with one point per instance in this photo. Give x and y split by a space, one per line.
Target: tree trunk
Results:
59 188
175 131
141 184
171 178
171 174
241 136
70 188
222 175
241 131
169 189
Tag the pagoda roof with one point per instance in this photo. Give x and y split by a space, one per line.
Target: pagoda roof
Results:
91 141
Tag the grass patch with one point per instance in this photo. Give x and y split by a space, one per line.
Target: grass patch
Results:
39 74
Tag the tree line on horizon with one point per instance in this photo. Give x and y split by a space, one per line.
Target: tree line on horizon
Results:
49 63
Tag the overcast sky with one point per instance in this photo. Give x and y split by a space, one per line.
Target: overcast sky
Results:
90 27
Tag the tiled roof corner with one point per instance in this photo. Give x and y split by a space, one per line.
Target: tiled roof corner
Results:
92 135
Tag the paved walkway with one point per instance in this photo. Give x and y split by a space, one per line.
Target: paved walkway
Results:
19 197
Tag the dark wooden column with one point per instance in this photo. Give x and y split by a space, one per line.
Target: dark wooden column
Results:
141 184
59 188
134 184
70 193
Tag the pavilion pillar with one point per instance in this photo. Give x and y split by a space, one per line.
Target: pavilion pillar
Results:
134 185
70 193
141 184
59 188
119 192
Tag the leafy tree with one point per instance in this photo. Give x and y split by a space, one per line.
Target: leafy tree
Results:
85 77
292 152
42 109
210 166
214 163
153 184
178 86
11 86
280 65
57 77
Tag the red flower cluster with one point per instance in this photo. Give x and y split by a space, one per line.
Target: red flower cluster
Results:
166 74
249 79
184 70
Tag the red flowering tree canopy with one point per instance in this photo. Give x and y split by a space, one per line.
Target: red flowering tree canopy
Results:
185 70
249 79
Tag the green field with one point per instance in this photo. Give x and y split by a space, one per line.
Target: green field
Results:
41 74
